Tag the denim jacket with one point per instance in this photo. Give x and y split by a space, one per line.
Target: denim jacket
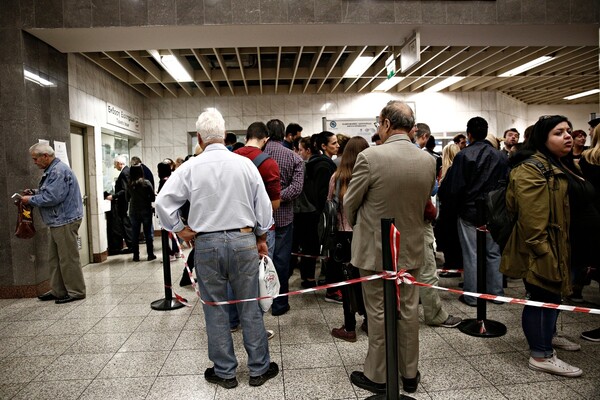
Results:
58 197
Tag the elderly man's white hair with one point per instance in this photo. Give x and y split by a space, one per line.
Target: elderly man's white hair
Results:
211 126
121 159
39 149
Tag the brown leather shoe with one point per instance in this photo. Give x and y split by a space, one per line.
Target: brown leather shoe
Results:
342 333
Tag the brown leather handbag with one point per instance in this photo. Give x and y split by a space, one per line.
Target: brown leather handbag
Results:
25 228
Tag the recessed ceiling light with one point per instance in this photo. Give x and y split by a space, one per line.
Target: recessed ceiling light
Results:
388 84
358 67
527 66
582 94
444 84
172 65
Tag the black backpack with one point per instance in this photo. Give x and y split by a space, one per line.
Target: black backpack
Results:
500 224
328 219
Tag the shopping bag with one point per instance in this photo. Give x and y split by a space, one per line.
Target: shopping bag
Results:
268 282
25 228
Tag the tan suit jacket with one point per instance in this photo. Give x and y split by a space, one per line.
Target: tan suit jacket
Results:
393 180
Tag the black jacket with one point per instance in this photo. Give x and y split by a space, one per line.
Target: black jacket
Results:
476 170
319 169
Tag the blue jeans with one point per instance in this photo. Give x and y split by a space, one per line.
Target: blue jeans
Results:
467 235
234 314
539 324
224 258
281 259
137 221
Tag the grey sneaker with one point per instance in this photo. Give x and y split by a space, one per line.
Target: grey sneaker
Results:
555 366
451 322
561 342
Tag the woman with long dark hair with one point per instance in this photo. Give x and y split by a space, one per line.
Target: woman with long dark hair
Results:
141 195
538 248
319 169
339 257
590 167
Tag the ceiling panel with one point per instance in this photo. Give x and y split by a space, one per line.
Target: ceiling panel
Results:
225 71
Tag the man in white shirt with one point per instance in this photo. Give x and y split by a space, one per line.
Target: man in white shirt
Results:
230 214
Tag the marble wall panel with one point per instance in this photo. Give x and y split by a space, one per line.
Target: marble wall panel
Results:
245 11
49 14
460 12
77 14
509 11
328 11
585 11
557 11
382 12
434 12
355 12
162 12
105 13
134 12
218 12
190 12
273 12
301 12
533 11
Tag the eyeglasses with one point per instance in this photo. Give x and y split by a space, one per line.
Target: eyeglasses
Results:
377 124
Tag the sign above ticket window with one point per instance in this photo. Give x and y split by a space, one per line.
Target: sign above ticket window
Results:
118 117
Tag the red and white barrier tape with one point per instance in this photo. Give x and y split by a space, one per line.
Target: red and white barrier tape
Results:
402 276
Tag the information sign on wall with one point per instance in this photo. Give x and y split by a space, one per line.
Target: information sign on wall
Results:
118 117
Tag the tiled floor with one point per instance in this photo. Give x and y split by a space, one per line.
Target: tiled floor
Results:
113 345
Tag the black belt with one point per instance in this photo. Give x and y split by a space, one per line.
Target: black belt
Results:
241 230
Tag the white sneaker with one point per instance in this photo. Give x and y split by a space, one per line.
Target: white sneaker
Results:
270 334
561 342
554 365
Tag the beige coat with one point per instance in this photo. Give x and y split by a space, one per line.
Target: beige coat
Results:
393 180
538 248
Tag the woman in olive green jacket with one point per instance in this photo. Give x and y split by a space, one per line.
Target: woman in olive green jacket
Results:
538 249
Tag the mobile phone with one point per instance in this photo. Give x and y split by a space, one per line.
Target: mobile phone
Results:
16 196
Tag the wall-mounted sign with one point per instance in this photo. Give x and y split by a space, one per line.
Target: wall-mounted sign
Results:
118 117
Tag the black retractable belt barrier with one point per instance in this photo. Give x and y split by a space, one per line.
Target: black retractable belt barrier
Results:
481 326
168 303
391 320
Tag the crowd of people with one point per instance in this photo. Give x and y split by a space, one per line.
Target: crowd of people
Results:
235 203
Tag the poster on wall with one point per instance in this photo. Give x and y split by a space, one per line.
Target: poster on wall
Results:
60 150
365 127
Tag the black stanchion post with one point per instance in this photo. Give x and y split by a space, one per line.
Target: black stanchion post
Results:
168 303
481 326
390 320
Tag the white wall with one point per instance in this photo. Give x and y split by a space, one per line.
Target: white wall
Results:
578 114
167 121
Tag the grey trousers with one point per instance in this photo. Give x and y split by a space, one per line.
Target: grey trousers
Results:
66 276
430 299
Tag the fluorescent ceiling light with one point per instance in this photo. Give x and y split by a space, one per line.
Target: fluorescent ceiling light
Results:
325 106
444 84
30 76
527 66
388 84
582 94
173 67
358 67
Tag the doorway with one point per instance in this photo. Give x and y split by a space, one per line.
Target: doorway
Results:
79 168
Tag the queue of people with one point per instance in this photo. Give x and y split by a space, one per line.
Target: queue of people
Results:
276 188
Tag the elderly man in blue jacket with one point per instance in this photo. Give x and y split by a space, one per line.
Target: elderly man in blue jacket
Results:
59 201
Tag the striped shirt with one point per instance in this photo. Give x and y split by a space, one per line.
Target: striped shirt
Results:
291 171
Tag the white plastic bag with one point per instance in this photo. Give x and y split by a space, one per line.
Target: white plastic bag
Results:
268 282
